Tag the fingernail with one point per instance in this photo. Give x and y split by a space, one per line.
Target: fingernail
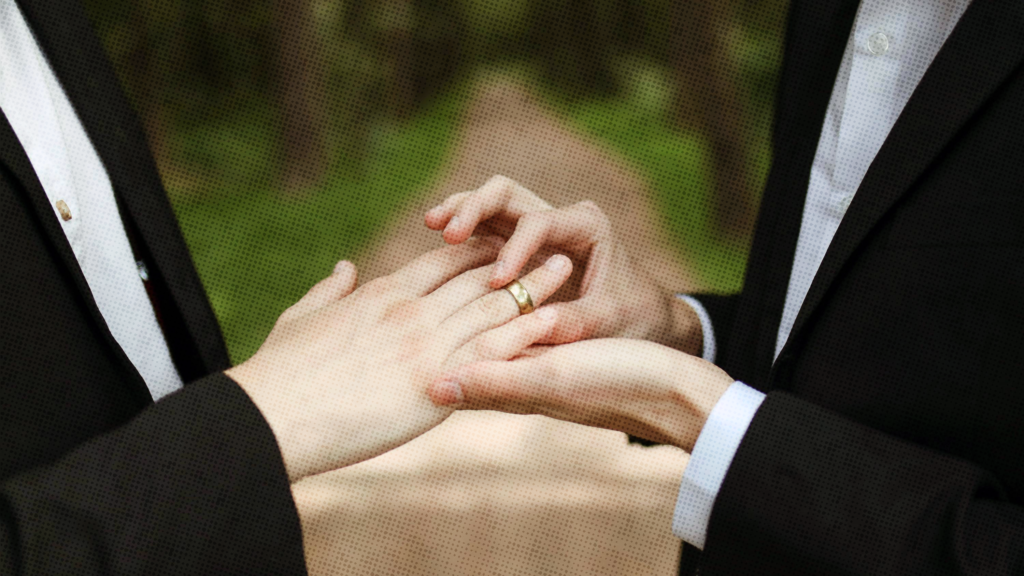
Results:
556 262
342 265
499 269
436 209
447 392
452 224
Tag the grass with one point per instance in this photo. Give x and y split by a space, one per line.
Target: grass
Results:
258 252
675 165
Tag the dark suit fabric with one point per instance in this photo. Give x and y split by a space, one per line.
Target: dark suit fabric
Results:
891 440
94 477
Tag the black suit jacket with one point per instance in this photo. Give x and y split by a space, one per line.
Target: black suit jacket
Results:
892 437
94 477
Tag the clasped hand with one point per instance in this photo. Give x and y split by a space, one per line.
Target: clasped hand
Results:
639 376
342 376
347 374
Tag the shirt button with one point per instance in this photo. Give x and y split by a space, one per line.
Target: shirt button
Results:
143 270
65 212
878 43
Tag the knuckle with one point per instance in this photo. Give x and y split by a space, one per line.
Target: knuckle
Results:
411 347
463 254
591 207
594 211
483 348
403 313
447 255
380 286
493 306
505 188
492 391
533 221
455 198
511 395
501 182
533 396
479 276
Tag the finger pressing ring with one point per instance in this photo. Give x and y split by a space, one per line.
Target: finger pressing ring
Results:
521 296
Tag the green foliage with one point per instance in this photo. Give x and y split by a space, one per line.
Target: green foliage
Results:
674 163
205 71
195 59
257 253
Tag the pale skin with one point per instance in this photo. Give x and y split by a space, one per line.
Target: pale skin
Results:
624 354
613 297
342 376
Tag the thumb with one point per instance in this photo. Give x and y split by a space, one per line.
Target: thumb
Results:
339 284
506 386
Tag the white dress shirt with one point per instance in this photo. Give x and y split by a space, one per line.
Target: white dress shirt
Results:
890 47
82 198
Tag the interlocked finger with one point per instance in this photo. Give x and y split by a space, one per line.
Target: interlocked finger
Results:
499 306
501 197
459 292
574 229
423 275
509 340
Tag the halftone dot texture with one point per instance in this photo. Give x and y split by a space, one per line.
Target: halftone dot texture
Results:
289 135
70 172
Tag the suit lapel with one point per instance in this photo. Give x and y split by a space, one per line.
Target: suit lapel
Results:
13 156
816 38
984 49
79 62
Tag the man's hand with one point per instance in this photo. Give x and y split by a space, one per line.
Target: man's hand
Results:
637 387
612 299
343 374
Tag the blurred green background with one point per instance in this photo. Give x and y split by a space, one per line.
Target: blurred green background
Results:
288 132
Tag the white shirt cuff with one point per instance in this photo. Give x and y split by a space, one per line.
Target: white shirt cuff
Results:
712 455
705 326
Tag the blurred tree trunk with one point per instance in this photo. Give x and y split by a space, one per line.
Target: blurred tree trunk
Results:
439 47
574 55
710 103
145 88
630 26
398 21
299 88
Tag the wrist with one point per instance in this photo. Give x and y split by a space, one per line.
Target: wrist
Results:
697 386
250 378
680 327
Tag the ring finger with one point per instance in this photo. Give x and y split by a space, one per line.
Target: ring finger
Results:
507 341
499 307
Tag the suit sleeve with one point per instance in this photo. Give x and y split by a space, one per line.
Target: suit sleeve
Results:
721 309
810 492
714 311
193 485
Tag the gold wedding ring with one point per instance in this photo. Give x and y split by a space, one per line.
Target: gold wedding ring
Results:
522 297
